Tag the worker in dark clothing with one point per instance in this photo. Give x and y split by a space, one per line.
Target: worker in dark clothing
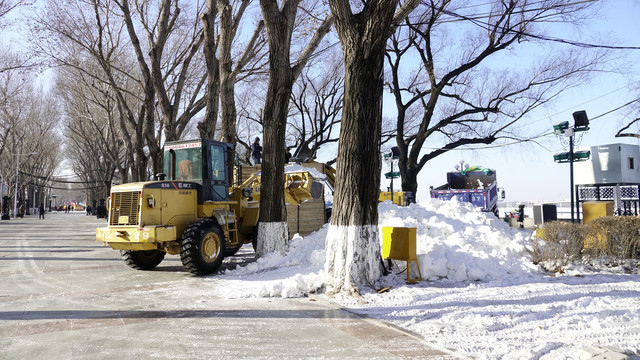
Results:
287 156
41 211
256 152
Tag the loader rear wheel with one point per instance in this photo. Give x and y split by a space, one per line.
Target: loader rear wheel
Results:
202 247
143 259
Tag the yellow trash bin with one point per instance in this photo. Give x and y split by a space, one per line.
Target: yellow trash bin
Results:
592 210
399 243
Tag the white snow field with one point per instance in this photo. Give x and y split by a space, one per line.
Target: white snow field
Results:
481 296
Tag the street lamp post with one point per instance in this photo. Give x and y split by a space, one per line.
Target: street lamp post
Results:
581 123
390 158
35 191
15 197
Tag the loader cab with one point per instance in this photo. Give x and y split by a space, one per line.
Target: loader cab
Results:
205 162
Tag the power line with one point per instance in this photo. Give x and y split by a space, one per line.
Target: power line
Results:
534 138
475 19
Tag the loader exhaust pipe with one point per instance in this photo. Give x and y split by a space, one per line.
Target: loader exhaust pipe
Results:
172 166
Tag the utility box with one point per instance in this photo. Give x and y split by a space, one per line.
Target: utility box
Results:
544 213
592 210
399 243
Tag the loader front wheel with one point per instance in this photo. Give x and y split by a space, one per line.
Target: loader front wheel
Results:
143 259
202 247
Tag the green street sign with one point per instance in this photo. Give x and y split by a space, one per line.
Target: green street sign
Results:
391 175
565 157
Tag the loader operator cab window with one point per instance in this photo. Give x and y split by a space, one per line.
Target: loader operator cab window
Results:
219 175
188 164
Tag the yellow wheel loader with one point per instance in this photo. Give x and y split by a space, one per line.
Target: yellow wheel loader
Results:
192 211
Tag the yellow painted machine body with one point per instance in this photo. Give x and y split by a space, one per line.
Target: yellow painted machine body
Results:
154 215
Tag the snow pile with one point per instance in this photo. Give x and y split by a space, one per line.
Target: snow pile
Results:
459 242
294 274
454 241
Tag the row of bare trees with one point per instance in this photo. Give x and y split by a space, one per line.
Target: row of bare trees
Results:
29 143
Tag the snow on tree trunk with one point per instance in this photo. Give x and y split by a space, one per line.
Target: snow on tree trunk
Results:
355 257
272 236
353 245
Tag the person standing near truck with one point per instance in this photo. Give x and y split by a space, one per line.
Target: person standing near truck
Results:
256 152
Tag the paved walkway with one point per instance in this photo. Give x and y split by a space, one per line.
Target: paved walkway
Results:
64 296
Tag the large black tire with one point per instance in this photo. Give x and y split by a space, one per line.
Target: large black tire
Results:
202 247
142 260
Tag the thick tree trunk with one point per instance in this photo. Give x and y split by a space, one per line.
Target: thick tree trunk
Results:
227 80
207 127
279 21
273 214
409 174
272 228
227 100
353 247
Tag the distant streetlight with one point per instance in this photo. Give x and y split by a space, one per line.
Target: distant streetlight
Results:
581 123
390 158
35 191
15 197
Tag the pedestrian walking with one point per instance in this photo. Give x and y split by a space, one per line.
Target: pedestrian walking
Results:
256 152
41 211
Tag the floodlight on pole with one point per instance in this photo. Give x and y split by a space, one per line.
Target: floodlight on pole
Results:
581 123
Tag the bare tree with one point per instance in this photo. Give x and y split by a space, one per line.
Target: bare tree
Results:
11 86
626 130
32 147
279 22
317 103
249 123
167 68
224 70
173 42
353 248
465 90
207 127
230 71
77 31
96 146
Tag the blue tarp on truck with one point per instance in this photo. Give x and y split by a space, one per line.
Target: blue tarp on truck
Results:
476 187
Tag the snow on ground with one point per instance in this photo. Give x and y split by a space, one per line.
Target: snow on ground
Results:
481 297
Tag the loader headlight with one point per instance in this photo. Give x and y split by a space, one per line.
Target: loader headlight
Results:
150 202
246 192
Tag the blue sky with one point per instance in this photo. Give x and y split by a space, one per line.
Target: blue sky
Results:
527 171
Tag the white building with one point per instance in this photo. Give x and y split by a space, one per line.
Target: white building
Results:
612 173
609 164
